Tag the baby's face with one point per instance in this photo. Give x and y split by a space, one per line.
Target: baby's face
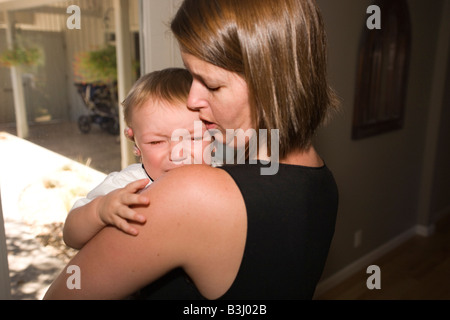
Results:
168 137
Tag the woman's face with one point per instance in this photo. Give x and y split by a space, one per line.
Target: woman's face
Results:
220 96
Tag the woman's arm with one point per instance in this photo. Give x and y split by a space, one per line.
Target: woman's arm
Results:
196 220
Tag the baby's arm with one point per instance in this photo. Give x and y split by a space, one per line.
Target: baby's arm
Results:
83 223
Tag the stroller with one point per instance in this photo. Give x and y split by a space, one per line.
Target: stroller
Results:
102 112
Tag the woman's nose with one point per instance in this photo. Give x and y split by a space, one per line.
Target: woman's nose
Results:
196 98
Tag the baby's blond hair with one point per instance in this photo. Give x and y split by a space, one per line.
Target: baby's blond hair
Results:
170 85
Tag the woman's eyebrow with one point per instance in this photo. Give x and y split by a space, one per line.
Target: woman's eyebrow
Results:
194 74
197 76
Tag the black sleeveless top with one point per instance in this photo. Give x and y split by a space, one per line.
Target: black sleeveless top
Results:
291 219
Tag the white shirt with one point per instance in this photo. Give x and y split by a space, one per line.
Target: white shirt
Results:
113 181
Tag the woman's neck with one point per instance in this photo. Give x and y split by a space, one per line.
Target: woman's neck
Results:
307 158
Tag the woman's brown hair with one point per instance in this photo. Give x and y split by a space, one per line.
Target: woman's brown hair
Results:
278 47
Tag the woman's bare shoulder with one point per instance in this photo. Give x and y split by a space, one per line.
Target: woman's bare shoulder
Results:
194 180
194 193
200 209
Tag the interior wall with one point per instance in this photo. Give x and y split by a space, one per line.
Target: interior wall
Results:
440 202
378 177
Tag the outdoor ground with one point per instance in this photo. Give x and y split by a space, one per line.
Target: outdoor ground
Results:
40 178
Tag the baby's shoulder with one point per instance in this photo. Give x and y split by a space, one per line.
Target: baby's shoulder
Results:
133 172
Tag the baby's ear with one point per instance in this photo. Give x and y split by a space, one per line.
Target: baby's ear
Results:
129 133
136 151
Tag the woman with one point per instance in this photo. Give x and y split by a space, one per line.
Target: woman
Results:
232 232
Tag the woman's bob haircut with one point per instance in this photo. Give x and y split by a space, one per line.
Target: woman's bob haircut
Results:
278 47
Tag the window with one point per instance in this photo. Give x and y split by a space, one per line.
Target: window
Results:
382 72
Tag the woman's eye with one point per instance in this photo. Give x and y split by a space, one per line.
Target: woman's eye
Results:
197 138
207 86
154 143
212 89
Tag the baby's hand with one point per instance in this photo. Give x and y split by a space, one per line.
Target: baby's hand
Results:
114 208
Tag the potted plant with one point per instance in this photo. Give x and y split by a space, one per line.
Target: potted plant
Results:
98 66
20 56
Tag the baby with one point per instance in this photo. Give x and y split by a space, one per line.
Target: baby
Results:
155 110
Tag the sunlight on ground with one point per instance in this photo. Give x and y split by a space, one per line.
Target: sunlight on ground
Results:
38 188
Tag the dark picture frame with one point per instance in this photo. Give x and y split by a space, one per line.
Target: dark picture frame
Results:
382 72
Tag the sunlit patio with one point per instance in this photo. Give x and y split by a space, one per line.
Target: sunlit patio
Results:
38 187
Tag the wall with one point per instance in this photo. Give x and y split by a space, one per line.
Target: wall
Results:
159 47
440 203
379 177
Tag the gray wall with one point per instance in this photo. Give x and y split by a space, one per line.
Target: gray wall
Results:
381 178
441 178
